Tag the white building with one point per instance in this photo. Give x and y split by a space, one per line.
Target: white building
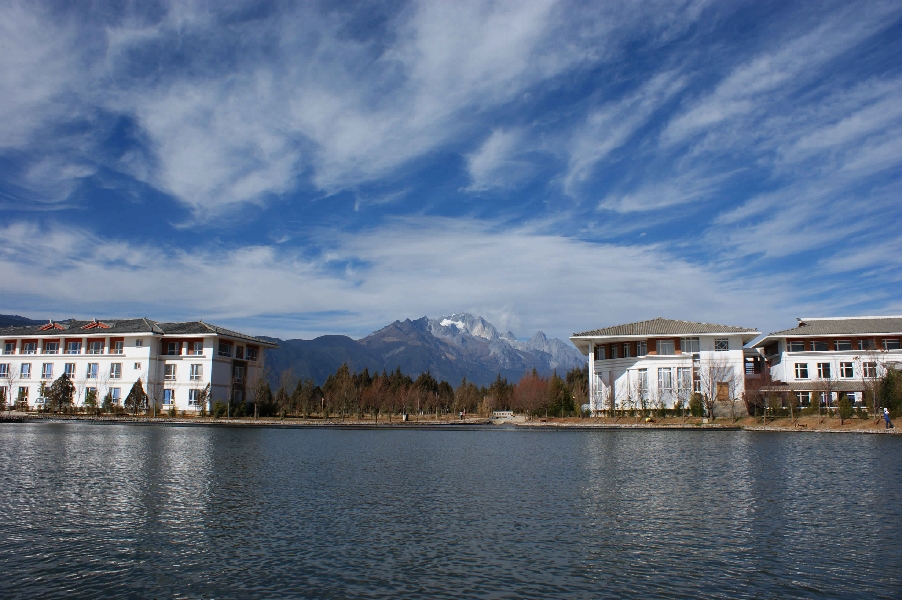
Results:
825 357
661 362
173 360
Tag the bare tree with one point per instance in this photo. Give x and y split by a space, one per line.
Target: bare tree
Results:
870 365
719 382
824 386
12 378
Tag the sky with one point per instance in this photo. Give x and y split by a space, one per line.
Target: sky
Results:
300 169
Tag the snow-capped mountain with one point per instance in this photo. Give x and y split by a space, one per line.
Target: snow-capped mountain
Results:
467 331
450 347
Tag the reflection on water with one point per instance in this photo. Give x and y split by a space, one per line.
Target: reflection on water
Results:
119 510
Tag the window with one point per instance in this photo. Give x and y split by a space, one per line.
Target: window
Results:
665 380
139 343
846 370
689 344
665 347
642 382
70 370
869 370
51 347
32 348
116 371
238 374
198 349
867 345
116 394
137 366
721 344
47 371
172 348
95 347
803 398
169 373
842 345
626 351
73 347
641 348
599 352
168 396
4 371
852 397
197 372
823 370
684 378
887 345
92 371
795 346
23 394
801 370
614 350
9 347
25 371
225 349
192 397
819 345
117 347
239 353
252 352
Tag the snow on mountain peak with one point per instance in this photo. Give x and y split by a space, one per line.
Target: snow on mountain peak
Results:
459 324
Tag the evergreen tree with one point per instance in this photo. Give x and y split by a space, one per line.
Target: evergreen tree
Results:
137 398
61 393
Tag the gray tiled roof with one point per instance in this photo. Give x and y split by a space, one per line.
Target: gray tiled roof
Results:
844 326
117 326
661 326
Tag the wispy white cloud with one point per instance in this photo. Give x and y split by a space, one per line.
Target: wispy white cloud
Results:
611 125
303 99
495 163
405 268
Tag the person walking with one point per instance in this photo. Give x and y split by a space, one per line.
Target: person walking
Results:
889 424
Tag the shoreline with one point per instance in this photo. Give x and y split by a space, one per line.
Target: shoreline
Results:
811 424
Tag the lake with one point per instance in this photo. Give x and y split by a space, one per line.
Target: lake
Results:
231 512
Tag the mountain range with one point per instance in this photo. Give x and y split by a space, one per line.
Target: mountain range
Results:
449 347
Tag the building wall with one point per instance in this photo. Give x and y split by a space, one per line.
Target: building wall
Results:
141 358
623 374
783 364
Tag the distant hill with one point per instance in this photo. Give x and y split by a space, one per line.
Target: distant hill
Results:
450 348
17 321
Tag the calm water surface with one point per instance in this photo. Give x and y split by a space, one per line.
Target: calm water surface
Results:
153 511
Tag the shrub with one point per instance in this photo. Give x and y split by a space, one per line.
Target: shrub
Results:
696 405
220 410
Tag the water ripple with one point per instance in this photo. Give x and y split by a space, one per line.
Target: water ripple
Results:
132 511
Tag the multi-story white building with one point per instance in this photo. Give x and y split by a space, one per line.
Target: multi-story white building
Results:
661 362
173 360
825 357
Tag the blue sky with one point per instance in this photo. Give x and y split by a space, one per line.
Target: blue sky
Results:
296 170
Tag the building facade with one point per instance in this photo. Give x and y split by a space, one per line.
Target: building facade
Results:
174 361
822 358
659 363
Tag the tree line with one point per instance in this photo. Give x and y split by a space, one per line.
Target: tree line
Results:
350 394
